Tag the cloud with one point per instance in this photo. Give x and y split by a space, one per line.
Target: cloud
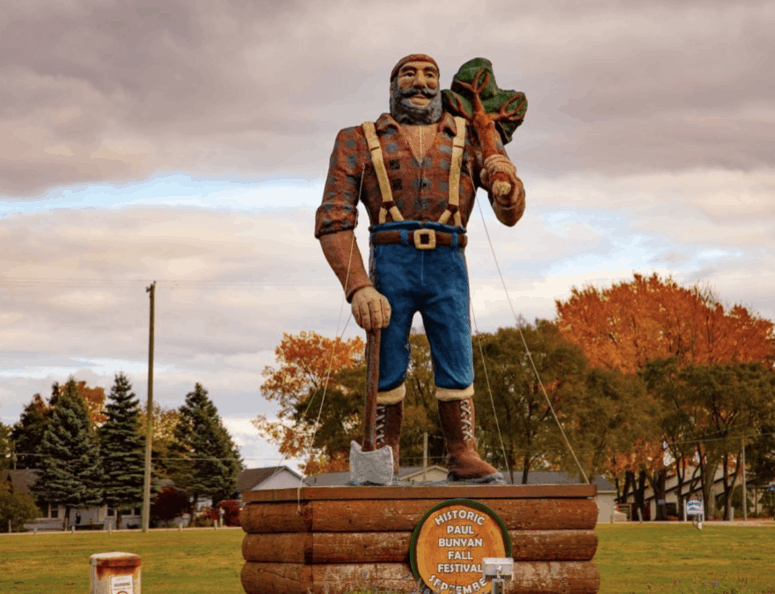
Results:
115 92
230 279
230 282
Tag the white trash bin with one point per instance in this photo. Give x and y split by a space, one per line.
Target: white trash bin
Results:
115 573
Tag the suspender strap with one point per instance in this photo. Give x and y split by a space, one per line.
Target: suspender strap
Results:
458 144
379 168
388 205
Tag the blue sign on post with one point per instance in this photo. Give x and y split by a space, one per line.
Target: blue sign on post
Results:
694 507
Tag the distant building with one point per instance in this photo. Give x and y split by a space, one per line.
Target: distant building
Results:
272 477
671 502
53 518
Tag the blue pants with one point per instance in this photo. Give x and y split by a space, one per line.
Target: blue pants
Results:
435 283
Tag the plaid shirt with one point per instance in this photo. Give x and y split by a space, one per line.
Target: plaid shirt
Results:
420 190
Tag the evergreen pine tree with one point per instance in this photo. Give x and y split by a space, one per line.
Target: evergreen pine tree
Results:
69 469
210 462
27 433
6 449
122 449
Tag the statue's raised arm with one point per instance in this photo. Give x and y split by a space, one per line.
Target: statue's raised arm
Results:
495 115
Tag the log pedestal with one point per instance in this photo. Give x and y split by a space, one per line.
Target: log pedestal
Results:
334 540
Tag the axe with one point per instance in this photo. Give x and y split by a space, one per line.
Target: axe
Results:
369 465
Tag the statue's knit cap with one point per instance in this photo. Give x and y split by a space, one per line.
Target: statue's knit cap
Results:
411 58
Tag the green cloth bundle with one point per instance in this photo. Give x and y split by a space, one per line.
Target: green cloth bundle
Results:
458 100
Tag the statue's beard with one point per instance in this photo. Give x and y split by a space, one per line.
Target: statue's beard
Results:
405 112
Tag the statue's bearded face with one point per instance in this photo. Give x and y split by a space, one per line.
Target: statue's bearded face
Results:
415 97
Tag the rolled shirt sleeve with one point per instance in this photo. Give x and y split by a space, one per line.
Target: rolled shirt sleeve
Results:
339 209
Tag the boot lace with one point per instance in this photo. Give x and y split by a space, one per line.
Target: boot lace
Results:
381 422
465 420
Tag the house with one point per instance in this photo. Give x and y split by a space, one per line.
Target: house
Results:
95 517
272 477
418 474
671 502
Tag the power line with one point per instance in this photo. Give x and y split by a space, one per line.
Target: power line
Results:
118 282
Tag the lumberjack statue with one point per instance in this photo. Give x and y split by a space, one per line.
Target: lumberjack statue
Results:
416 170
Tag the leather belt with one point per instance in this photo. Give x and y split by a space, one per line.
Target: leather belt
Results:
422 239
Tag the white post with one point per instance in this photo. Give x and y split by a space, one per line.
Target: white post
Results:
745 495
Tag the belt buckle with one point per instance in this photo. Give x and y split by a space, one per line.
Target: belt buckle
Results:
425 239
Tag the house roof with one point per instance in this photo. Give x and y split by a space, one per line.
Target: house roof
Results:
552 477
252 477
21 480
410 472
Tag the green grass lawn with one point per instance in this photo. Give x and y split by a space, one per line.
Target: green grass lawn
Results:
637 558
191 561
678 558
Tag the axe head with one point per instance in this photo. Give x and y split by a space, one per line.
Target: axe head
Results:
370 468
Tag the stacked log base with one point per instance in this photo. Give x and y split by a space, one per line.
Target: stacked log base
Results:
334 540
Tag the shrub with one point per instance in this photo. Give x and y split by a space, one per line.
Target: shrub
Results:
18 508
767 503
169 504
231 512
203 521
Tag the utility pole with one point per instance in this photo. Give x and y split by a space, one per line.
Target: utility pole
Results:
745 496
149 418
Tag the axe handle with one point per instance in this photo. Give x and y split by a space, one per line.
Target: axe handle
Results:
372 386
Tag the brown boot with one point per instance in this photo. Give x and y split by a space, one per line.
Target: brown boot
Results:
389 418
463 461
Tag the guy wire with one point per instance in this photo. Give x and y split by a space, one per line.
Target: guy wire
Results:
527 349
489 389
333 350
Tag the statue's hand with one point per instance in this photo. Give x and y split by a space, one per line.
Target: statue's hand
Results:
371 309
503 191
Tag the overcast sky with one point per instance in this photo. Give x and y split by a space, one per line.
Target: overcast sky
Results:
187 142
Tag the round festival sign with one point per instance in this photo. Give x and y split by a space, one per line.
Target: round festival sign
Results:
449 543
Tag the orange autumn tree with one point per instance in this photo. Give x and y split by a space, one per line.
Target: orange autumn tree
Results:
630 324
163 432
93 398
297 384
95 401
